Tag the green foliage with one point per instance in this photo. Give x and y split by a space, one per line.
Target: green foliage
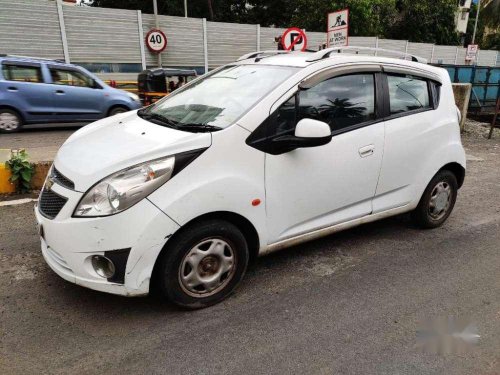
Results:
426 21
487 33
21 171
490 13
366 17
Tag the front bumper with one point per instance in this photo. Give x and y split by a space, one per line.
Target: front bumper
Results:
68 244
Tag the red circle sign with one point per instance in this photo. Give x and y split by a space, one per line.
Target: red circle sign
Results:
156 40
294 39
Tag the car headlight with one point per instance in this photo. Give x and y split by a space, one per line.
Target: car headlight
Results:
125 188
133 96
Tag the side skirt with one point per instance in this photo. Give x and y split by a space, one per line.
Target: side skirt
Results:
318 233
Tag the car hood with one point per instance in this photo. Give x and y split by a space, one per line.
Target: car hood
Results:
109 145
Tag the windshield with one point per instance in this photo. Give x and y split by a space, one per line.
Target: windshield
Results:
217 101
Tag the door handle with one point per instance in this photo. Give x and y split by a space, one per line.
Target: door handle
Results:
366 151
12 88
60 92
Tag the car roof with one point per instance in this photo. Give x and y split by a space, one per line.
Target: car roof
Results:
304 59
29 59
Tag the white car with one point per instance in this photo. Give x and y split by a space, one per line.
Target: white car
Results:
267 152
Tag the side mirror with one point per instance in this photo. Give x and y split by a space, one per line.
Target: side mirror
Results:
313 130
308 133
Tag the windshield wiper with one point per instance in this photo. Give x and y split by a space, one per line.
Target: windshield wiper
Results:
158 119
199 127
165 121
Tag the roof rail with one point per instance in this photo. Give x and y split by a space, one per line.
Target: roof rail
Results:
251 55
32 58
325 53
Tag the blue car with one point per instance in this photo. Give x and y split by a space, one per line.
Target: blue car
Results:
46 91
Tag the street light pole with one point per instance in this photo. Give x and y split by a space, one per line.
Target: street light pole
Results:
185 8
157 25
475 22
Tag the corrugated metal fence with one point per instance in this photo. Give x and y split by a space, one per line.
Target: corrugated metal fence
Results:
46 28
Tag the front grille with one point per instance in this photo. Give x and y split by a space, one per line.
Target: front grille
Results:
62 179
50 203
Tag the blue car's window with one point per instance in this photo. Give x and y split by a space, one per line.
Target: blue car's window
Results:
22 73
70 78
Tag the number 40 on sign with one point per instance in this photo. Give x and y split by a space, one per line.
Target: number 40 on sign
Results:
156 41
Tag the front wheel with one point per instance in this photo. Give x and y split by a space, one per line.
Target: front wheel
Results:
203 264
438 200
10 121
117 110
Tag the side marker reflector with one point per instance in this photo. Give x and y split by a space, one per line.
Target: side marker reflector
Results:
255 202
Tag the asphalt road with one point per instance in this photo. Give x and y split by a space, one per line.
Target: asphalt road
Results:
346 304
40 141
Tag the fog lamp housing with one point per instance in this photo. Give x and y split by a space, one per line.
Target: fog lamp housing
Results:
103 266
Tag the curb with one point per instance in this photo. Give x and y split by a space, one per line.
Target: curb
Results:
41 170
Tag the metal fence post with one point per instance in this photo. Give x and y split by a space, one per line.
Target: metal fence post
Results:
406 46
141 39
205 44
456 56
63 31
376 45
258 37
432 53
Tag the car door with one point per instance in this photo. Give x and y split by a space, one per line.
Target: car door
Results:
313 188
76 95
23 88
412 131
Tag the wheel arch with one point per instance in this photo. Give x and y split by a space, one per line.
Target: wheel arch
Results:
12 108
116 105
457 169
243 224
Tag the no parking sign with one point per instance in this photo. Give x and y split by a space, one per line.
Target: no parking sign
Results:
294 39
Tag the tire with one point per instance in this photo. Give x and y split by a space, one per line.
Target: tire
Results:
203 264
10 121
116 110
438 200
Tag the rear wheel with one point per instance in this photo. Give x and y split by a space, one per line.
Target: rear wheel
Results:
10 121
438 200
203 264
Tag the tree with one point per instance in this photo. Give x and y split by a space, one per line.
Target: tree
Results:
366 17
487 32
430 21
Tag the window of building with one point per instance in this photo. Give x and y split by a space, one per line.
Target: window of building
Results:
22 73
407 93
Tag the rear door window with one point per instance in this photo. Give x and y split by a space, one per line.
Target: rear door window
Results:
407 93
22 73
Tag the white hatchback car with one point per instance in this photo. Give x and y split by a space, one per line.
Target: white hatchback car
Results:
264 153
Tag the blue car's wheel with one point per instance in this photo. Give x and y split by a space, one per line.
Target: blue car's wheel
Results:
10 121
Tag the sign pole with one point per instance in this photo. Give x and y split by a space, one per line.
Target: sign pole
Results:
157 24
475 22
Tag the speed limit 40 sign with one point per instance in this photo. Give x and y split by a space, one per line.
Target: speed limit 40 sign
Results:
156 40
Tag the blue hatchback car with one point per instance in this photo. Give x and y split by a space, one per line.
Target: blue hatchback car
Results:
45 91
